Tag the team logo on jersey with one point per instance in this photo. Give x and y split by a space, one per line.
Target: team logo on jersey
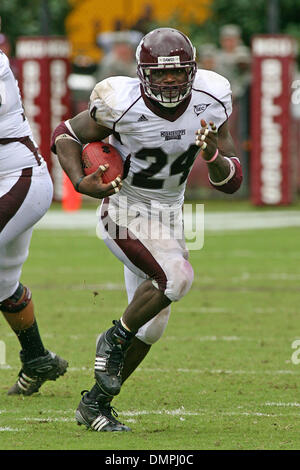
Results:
199 108
142 118
169 135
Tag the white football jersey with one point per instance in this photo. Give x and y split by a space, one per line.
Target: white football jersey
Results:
161 143
14 156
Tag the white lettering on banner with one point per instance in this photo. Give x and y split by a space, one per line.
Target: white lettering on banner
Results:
58 90
31 90
280 47
39 49
58 81
271 132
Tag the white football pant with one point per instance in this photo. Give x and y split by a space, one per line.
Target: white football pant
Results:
24 199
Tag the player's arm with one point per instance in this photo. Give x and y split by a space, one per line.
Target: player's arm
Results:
67 141
218 150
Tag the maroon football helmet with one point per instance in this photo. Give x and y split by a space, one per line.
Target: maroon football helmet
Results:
166 48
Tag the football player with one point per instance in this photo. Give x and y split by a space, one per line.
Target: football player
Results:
159 122
25 195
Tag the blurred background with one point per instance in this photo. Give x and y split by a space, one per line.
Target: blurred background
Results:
59 49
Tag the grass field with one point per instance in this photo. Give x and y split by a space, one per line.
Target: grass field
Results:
222 376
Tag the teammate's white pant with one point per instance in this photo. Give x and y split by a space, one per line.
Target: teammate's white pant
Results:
24 199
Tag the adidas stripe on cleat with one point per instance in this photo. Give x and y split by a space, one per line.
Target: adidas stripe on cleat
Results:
98 416
99 423
37 371
100 363
25 382
108 366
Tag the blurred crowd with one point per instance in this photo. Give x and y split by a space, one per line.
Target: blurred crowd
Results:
232 58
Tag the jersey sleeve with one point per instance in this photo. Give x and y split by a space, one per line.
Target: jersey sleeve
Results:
4 73
103 103
223 104
218 89
4 65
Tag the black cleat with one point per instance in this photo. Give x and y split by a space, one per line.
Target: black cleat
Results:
110 354
98 416
35 372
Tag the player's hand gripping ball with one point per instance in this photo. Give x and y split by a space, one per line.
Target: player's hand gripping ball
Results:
99 154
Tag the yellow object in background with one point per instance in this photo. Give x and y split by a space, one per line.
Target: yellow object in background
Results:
91 17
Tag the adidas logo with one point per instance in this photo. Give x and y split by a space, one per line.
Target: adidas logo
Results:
142 118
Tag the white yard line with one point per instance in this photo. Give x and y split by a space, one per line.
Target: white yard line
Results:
213 221
201 371
192 371
179 413
246 276
9 429
284 405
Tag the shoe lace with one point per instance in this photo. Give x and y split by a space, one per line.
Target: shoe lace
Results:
105 409
110 412
113 411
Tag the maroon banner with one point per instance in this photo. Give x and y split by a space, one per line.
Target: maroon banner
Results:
272 163
43 70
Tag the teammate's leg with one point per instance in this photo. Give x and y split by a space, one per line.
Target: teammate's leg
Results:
18 310
15 299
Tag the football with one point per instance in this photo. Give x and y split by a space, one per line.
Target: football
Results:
95 154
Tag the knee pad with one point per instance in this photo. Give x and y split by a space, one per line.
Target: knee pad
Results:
154 328
180 280
18 301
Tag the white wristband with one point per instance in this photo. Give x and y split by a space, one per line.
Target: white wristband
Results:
231 174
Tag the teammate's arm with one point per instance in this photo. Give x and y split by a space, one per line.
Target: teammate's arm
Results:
67 141
218 150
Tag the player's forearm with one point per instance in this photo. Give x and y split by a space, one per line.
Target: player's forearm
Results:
219 169
68 153
66 144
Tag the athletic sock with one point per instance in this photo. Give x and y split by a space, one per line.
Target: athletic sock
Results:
96 394
120 335
31 343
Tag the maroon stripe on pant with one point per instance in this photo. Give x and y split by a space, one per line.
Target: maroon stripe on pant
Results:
134 249
11 202
25 141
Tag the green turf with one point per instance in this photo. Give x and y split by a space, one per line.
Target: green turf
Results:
220 378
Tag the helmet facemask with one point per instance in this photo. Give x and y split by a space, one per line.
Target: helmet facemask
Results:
167 95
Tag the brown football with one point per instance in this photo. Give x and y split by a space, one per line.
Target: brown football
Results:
99 153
